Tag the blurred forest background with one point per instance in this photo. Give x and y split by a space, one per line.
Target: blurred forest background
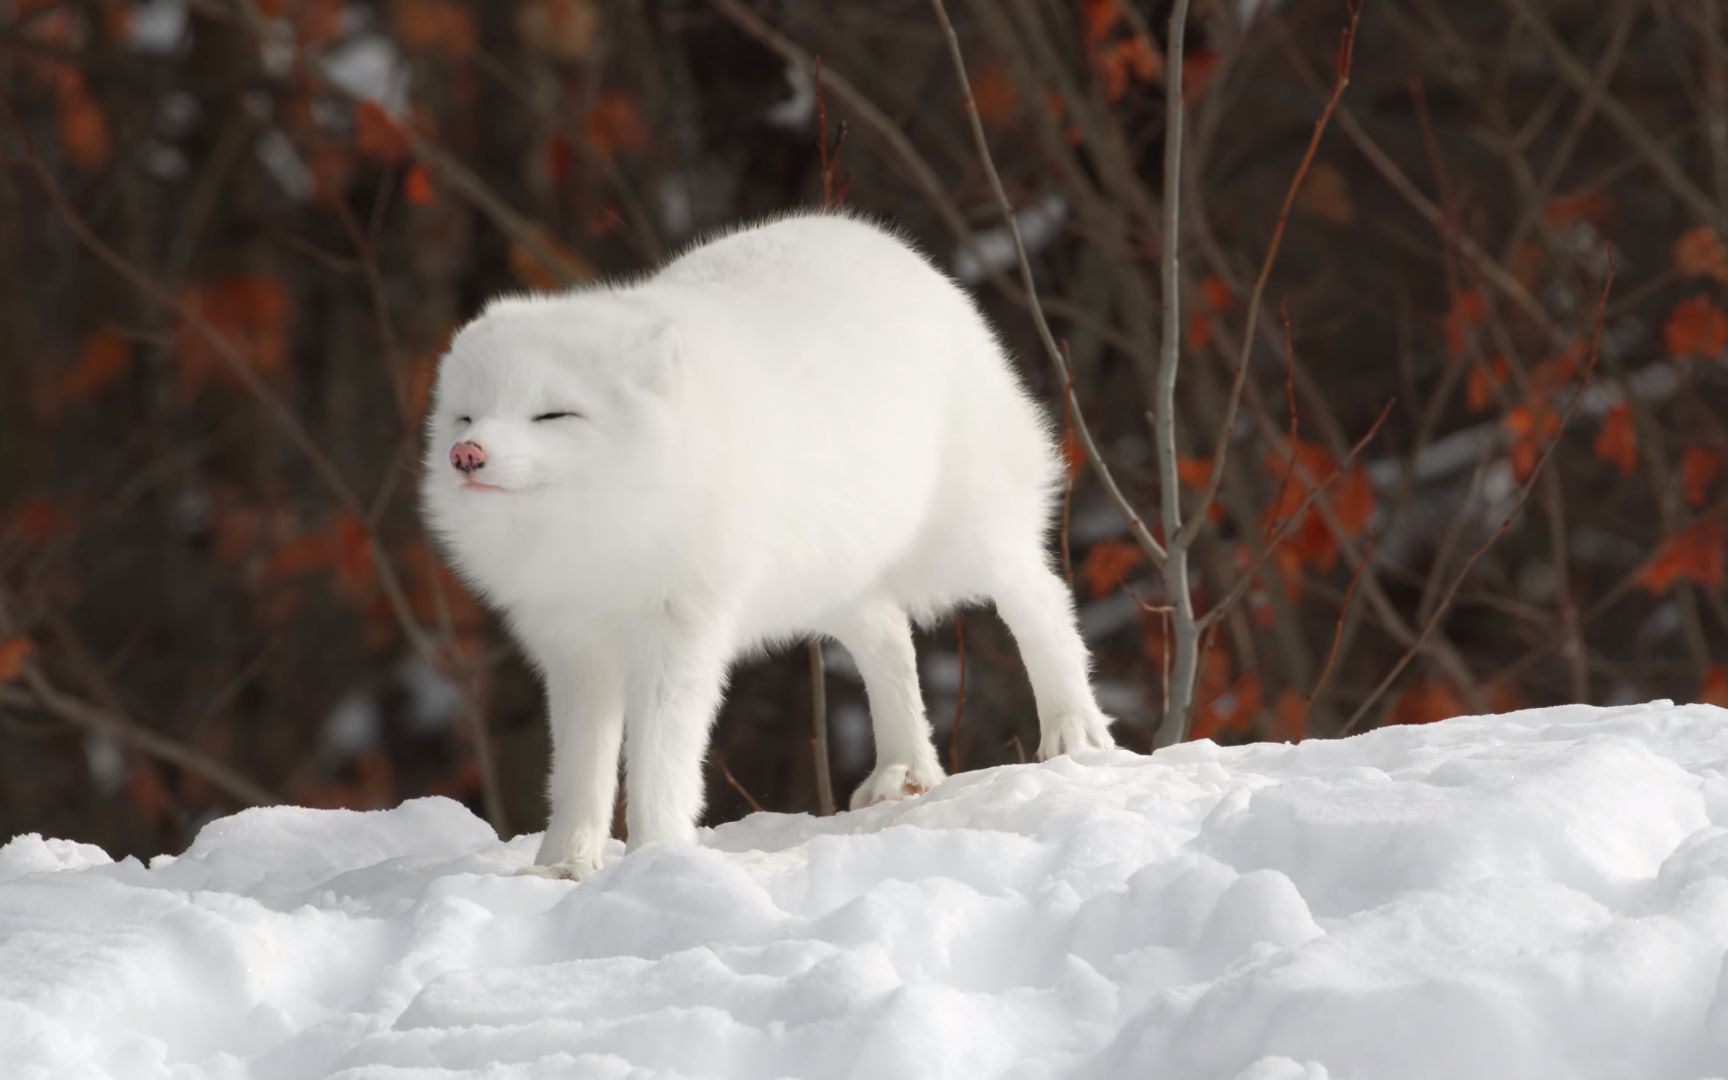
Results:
236 234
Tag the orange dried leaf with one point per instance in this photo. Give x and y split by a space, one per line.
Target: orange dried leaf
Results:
1591 204
417 187
39 521
1290 718
438 26
104 360
1097 17
1107 565
83 127
1198 65
1194 472
1694 554
1215 295
1142 59
1714 689
14 651
1698 467
615 126
1698 253
1617 439
1311 541
994 95
1199 331
378 135
1428 701
1484 378
1462 319
1696 327
249 314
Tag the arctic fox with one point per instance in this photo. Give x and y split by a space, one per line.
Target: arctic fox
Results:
799 428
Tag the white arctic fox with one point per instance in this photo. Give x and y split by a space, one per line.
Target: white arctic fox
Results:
800 428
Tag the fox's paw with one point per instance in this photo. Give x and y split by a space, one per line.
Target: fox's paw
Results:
896 780
566 862
1075 732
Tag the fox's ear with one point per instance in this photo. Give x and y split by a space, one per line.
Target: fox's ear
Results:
656 355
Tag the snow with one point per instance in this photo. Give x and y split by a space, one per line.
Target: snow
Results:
1541 894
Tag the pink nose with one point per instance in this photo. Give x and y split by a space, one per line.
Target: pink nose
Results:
467 456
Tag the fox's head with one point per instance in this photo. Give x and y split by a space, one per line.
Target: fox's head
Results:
545 393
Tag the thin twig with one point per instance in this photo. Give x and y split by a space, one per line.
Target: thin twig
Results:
1338 628
720 763
819 732
960 697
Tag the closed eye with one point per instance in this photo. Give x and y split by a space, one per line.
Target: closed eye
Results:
558 416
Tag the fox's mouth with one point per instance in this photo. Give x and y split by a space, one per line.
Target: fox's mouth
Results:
475 485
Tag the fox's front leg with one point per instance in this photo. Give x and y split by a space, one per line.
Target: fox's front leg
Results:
586 710
670 705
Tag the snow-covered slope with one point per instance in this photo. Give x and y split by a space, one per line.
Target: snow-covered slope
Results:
1543 894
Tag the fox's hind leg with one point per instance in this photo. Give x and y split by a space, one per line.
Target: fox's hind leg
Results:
879 637
1039 611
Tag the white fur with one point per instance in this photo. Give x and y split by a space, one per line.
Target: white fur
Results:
800 428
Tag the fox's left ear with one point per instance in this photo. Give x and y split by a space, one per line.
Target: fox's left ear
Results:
656 355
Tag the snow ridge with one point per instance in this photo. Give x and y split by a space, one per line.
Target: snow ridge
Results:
1540 894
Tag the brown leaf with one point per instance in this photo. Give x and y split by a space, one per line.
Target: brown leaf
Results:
1310 541
1698 253
378 135
1462 319
417 187
1694 554
1290 718
1107 565
14 651
615 126
1698 467
83 126
250 312
1097 18
1590 204
994 95
1696 327
104 360
1714 689
1617 439
1427 701
437 26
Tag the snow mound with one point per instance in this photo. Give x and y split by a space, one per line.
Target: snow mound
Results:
1541 894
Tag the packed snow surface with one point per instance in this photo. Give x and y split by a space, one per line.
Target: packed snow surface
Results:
1541 894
